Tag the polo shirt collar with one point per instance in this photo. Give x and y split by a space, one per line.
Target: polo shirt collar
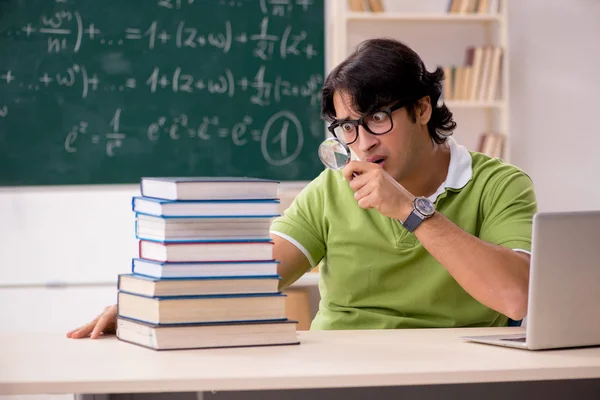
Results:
460 169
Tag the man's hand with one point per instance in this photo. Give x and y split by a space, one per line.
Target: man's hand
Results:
375 188
104 323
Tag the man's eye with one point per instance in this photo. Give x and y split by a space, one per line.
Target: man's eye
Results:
379 116
347 127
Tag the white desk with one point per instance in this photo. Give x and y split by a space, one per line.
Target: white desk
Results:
37 363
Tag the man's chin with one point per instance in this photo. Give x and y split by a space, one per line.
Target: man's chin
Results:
397 175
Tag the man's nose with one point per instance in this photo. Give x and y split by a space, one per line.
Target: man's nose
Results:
366 141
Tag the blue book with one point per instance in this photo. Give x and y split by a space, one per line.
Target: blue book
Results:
205 208
209 188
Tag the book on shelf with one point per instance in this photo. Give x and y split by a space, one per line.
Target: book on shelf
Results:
170 270
474 6
204 208
206 251
209 335
492 144
478 78
365 5
189 229
204 308
209 188
153 287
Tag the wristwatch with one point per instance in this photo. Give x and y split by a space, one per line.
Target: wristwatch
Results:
423 208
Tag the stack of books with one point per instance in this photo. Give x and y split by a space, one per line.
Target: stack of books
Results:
204 275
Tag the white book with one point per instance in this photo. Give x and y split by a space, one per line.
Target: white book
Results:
209 188
206 251
154 287
150 227
207 335
166 270
197 309
205 208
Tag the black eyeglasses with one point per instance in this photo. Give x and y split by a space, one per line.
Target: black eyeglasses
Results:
378 122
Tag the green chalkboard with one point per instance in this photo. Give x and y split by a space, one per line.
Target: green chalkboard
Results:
104 92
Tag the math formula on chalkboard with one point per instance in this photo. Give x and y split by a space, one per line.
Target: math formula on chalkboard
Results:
107 92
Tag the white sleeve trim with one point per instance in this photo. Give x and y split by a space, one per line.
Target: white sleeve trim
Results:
297 244
522 251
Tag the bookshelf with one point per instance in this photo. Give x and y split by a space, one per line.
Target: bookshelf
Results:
454 27
399 16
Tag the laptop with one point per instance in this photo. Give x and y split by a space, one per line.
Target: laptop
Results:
564 284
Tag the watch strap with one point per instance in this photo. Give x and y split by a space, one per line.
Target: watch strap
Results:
412 222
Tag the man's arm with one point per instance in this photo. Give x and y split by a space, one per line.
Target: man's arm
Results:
292 262
496 276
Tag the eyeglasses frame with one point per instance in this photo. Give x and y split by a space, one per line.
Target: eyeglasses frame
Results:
360 121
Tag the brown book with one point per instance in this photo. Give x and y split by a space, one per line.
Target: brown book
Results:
459 73
483 7
465 6
455 7
468 74
357 5
485 72
376 6
492 144
447 84
494 82
476 75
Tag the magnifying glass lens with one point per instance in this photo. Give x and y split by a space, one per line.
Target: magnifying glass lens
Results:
334 154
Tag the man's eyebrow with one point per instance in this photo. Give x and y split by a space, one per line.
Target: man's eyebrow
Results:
345 119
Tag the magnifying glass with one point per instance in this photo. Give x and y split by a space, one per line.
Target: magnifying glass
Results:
334 154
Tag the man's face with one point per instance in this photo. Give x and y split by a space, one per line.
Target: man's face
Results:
395 151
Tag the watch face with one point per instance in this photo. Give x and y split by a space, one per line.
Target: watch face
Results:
424 206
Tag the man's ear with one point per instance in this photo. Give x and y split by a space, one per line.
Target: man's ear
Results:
423 110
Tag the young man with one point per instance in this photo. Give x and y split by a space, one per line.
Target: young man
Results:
421 232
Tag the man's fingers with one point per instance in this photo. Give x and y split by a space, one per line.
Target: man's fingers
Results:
357 168
82 331
366 202
100 326
362 192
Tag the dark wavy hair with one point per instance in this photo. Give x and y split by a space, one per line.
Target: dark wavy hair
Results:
383 71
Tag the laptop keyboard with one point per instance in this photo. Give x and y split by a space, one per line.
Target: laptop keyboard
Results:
516 339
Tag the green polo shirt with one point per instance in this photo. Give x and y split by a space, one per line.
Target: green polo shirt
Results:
376 275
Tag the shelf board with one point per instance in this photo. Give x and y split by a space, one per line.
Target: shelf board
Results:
474 104
433 17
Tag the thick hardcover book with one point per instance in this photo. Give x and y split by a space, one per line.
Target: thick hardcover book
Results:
202 336
181 229
209 188
205 308
152 287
